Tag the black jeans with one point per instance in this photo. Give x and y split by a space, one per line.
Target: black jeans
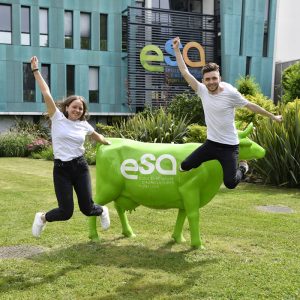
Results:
227 155
66 175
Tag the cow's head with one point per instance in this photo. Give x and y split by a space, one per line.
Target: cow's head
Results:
248 148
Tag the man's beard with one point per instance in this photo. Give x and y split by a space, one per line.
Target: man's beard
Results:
213 88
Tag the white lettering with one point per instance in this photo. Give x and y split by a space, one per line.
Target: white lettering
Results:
124 168
147 167
166 172
148 164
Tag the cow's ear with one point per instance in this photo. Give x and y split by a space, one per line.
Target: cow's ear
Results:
245 133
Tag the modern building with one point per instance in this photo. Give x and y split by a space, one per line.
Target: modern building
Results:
118 54
287 44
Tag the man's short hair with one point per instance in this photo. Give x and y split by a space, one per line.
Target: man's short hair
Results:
210 67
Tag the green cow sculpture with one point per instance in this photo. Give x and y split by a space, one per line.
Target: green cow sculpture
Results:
132 173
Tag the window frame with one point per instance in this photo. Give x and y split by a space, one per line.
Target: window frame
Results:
47 77
4 31
44 34
85 41
25 33
29 80
70 91
104 41
69 37
94 94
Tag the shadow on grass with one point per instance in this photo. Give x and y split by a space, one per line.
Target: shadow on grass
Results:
134 260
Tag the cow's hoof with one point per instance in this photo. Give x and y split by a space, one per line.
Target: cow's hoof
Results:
178 239
94 239
129 234
200 247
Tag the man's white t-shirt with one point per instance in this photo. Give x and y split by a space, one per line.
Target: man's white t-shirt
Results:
219 110
68 136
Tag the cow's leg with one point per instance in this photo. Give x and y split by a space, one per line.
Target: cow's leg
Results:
190 198
105 194
126 228
93 234
177 233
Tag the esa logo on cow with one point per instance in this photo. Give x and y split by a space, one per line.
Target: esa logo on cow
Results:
147 166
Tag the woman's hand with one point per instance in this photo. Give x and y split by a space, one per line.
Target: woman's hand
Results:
106 142
99 138
34 62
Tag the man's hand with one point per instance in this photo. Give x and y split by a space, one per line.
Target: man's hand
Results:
277 118
176 43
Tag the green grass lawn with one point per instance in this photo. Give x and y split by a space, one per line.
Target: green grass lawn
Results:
249 254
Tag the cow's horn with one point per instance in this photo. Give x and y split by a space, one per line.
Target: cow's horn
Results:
245 133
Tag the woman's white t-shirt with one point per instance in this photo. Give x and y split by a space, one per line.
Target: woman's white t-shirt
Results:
219 110
68 136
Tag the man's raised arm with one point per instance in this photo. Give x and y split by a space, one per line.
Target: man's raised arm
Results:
190 79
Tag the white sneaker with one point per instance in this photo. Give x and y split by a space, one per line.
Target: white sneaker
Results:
104 218
38 225
244 166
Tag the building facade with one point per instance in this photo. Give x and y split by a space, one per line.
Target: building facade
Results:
287 44
117 54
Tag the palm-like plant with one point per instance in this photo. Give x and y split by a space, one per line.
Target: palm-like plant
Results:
155 127
281 165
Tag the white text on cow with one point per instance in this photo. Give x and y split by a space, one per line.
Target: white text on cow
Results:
131 165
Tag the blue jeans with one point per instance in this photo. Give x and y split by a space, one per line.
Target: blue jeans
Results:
227 155
68 175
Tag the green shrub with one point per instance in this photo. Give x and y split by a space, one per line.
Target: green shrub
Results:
281 165
13 144
248 86
35 129
156 127
37 145
195 134
244 116
46 154
187 106
291 83
106 130
90 151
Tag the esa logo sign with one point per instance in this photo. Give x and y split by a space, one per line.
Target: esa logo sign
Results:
147 56
147 166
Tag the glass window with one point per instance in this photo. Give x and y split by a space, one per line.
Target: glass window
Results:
103 32
188 5
28 84
155 3
45 71
70 78
68 29
43 15
85 30
25 25
93 84
124 33
5 24
196 6
161 4
164 4
266 28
